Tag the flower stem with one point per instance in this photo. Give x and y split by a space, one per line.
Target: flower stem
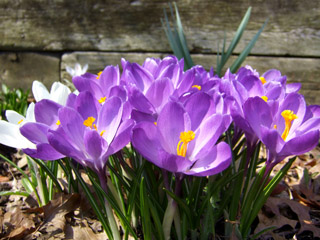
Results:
110 216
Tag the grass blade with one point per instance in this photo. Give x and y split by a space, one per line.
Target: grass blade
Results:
247 50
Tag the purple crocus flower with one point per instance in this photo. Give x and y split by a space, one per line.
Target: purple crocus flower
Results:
293 130
151 85
90 132
183 140
46 116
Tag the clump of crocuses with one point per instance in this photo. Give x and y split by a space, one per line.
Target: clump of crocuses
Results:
186 123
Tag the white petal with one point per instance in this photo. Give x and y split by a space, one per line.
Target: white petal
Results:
30 113
59 93
10 136
14 117
39 91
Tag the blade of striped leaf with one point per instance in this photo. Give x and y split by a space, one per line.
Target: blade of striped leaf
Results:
247 50
172 41
188 61
236 38
144 208
114 205
49 172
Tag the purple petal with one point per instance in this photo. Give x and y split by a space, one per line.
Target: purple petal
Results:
35 132
171 122
293 87
87 82
300 144
217 160
109 77
86 105
140 102
63 144
72 124
159 92
46 111
257 113
272 139
207 135
197 107
109 118
296 103
173 163
138 76
93 143
122 137
146 140
44 151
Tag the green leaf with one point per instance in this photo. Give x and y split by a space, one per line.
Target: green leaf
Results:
237 63
52 176
19 193
114 205
144 209
176 37
93 203
235 40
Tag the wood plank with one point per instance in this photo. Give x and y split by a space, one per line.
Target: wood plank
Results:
304 70
134 25
19 70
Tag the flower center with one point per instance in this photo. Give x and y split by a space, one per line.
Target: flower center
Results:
263 80
288 116
265 98
58 122
89 123
102 100
197 86
99 73
185 138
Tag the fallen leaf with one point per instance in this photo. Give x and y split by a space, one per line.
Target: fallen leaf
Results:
55 212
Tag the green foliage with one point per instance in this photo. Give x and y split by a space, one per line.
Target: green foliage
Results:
178 42
13 99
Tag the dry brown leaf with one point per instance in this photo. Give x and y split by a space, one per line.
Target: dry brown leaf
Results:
18 224
280 212
83 231
4 179
55 212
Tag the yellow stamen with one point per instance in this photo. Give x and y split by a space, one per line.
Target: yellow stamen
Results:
102 100
263 80
102 132
58 122
197 86
89 121
275 126
155 123
265 98
20 121
99 74
288 116
185 138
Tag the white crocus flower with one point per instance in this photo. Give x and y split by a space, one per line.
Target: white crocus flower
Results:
77 70
59 93
10 131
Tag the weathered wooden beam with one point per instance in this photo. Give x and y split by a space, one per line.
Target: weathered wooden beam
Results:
19 70
134 25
